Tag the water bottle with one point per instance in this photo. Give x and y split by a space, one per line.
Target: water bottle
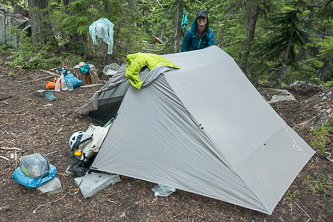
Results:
57 85
69 85
63 83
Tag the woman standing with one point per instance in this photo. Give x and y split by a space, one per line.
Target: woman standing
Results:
199 36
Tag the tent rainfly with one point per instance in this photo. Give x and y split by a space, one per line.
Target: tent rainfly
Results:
202 128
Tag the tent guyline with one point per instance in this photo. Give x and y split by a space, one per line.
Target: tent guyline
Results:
72 194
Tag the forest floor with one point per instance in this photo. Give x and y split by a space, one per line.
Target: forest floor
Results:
30 123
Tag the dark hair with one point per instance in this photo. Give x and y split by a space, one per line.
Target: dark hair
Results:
196 24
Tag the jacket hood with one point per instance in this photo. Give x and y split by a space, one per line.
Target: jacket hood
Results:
193 27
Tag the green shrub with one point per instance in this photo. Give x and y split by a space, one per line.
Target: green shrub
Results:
320 137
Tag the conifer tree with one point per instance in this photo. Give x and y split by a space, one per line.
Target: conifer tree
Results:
288 30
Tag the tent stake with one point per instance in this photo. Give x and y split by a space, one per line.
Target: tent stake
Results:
273 218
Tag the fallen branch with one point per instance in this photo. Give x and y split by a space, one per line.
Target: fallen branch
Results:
158 40
5 208
19 111
312 97
51 153
10 148
62 66
178 215
51 73
112 201
156 204
124 213
5 98
197 215
35 80
63 174
31 101
302 210
87 86
5 158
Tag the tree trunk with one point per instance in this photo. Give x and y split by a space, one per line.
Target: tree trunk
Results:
250 34
41 30
287 53
131 4
176 37
286 58
322 71
161 36
66 2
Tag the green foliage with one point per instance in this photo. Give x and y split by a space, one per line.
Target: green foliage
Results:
320 137
69 59
142 183
328 84
291 25
74 19
164 21
10 3
29 54
291 196
136 22
325 46
277 108
3 48
229 24
285 44
318 183
306 71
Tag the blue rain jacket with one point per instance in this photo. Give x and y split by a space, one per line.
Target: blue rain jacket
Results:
191 43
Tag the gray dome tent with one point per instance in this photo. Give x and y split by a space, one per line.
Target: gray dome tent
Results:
202 128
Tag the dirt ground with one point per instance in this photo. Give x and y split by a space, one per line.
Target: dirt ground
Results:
33 124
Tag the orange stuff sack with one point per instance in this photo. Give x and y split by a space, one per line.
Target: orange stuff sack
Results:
51 85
